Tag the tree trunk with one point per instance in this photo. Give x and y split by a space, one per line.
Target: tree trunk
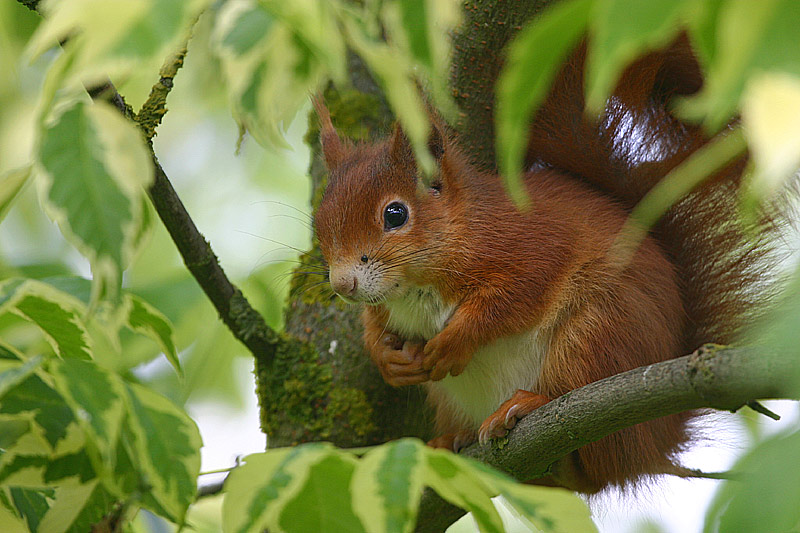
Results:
326 388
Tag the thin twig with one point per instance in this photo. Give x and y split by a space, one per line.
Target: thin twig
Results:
760 408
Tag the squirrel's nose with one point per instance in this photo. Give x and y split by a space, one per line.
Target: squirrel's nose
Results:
345 285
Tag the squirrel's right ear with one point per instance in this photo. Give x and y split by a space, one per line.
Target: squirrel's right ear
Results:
332 146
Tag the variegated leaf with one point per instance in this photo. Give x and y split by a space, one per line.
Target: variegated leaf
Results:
57 314
165 450
387 486
454 479
257 492
95 167
97 399
145 319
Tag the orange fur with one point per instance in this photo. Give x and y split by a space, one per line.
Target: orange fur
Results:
480 272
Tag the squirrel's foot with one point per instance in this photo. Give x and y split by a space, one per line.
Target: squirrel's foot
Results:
506 416
399 361
453 441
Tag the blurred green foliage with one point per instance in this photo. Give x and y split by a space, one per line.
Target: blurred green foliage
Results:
93 292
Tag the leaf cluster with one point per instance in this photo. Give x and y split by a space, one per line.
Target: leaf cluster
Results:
81 442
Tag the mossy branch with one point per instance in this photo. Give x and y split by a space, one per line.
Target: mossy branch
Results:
714 376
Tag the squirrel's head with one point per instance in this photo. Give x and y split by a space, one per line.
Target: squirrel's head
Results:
379 228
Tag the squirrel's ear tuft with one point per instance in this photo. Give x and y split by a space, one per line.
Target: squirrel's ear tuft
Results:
333 149
399 146
436 140
438 132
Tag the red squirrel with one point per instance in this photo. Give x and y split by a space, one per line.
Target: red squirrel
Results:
497 310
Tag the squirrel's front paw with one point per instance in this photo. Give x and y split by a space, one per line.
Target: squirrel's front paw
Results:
445 354
399 362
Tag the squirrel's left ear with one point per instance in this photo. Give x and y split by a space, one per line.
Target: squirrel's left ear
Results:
400 147
332 146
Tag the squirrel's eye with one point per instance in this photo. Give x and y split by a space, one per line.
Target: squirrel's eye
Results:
394 216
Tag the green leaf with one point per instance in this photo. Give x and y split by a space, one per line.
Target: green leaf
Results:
32 504
9 517
752 38
533 61
777 332
76 286
95 168
550 509
769 476
393 71
701 22
147 35
11 182
249 26
145 319
771 123
621 30
387 485
50 411
455 480
28 467
139 316
99 503
8 353
680 181
77 464
115 39
78 507
57 314
420 32
96 398
13 376
11 431
166 450
415 22
324 502
257 492
274 54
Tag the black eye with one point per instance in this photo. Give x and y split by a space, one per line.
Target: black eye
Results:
394 216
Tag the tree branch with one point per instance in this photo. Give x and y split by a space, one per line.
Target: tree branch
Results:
712 377
245 323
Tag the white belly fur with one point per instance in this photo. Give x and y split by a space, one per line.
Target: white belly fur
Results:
495 372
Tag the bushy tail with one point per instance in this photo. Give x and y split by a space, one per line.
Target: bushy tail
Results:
725 268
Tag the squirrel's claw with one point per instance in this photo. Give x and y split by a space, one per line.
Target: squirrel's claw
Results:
520 404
